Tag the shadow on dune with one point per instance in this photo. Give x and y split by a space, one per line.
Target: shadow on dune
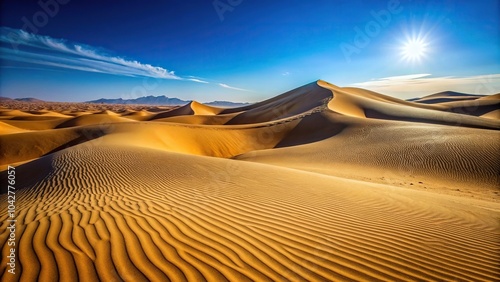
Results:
440 118
440 100
294 102
28 174
474 108
38 144
311 129
181 111
87 135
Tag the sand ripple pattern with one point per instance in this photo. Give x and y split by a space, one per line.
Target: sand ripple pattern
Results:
159 216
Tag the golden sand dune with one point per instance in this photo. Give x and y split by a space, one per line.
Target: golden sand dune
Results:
37 124
29 145
321 183
491 97
108 112
77 113
179 111
447 96
495 114
201 109
300 101
30 115
93 119
50 114
6 128
138 115
15 113
201 119
477 107
391 152
206 218
354 103
192 108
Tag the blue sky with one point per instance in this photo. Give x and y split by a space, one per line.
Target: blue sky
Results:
242 50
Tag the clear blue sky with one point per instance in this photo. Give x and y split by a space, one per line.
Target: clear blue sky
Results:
245 50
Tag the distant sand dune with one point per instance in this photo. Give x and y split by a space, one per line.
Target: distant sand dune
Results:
15 113
93 119
6 128
447 96
477 107
357 105
493 114
321 183
138 115
201 109
299 101
38 124
491 97
200 119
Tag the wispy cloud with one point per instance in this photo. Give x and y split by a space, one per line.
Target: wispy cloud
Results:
49 53
231 87
406 77
409 86
198 80
35 49
285 73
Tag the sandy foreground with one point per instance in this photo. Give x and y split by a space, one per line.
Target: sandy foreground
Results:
321 183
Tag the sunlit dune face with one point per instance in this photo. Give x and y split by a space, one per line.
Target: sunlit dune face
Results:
414 49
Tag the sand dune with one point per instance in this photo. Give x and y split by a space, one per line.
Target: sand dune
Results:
37 144
495 114
138 115
102 119
6 128
447 96
15 113
108 112
198 220
180 111
322 183
491 97
477 107
423 157
200 119
358 104
200 109
37 124
300 101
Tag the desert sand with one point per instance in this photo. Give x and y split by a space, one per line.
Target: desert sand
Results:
322 183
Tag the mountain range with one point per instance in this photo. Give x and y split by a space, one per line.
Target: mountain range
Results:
147 100
163 100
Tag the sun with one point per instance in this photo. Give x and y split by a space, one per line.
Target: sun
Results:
414 49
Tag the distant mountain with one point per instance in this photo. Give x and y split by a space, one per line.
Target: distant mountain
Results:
5 99
29 100
148 100
162 100
226 104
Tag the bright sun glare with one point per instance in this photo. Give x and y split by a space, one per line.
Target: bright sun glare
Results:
414 49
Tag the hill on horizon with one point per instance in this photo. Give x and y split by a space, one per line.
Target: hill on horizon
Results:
164 101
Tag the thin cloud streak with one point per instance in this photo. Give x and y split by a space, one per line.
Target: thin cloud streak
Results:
44 50
198 80
53 53
233 88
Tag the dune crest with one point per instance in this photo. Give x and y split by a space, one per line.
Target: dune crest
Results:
321 183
